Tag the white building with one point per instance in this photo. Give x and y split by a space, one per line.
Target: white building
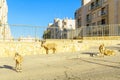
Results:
84 2
68 24
61 28
4 28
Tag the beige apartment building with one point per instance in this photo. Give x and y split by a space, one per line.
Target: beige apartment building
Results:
98 12
61 28
5 32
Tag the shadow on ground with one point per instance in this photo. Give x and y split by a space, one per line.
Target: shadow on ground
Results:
103 64
7 67
106 61
119 50
90 53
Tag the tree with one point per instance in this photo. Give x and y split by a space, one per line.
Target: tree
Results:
47 34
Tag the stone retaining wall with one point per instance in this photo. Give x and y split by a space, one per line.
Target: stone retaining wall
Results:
8 49
32 48
102 38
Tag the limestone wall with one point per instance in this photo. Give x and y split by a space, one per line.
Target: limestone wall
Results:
32 48
8 49
102 38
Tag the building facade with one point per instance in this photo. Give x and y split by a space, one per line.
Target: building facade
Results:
5 32
61 28
98 12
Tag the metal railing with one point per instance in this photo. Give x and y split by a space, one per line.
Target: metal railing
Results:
85 31
34 33
101 30
21 32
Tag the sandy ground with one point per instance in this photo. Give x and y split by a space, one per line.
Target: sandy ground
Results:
64 66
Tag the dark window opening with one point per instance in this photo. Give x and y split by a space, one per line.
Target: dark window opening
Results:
98 3
92 5
103 21
88 17
103 11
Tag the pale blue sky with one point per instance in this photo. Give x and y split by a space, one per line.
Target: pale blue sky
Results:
40 12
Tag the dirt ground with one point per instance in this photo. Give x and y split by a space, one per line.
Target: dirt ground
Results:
64 66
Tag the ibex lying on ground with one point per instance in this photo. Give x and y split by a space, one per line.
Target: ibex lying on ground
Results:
104 51
18 60
108 52
49 46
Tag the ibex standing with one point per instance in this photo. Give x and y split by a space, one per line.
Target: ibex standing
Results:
18 60
48 46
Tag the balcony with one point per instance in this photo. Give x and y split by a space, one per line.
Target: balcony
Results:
88 18
92 5
103 11
98 3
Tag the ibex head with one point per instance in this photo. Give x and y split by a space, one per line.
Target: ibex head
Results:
42 42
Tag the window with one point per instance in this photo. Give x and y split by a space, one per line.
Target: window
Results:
103 21
88 17
93 15
94 24
89 7
104 0
92 5
103 11
99 13
64 23
87 25
79 22
99 23
98 3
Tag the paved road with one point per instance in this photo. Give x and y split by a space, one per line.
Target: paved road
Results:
64 66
